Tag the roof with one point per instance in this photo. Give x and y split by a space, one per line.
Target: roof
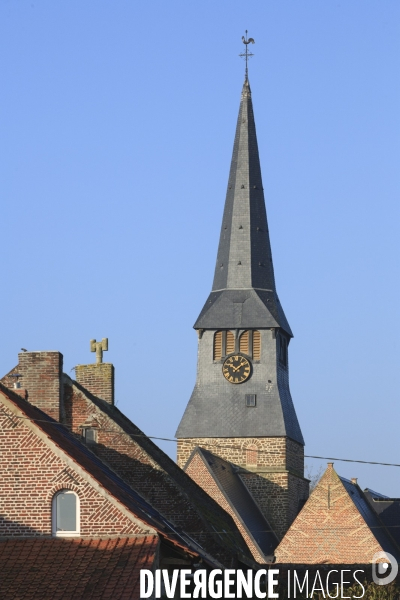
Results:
388 510
114 485
370 516
240 500
244 272
212 515
219 410
74 568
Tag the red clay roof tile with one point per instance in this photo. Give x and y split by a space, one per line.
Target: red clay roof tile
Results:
74 568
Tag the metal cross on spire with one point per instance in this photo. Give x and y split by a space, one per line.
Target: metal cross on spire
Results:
246 55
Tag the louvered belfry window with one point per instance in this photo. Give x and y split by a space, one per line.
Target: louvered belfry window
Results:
224 344
250 344
244 343
230 342
256 345
218 338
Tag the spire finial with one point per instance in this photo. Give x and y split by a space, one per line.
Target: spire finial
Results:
246 55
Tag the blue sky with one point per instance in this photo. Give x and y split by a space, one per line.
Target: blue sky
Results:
117 122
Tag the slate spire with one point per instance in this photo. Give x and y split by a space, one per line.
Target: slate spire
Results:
243 300
243 292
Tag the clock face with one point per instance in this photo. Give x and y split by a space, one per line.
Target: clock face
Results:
236 368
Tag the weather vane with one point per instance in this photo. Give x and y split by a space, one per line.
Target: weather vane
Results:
246 55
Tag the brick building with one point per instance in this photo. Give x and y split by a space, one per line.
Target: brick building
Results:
80 481
342 524
241 409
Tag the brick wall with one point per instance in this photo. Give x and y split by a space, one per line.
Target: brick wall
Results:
329 529
31 472
277 452
41 378
140 470
200 474
98 379
276 482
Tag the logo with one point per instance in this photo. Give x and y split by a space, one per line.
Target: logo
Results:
384 572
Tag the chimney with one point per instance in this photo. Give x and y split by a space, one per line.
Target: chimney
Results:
97 378
354 480
40 377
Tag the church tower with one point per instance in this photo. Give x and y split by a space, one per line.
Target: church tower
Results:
241 408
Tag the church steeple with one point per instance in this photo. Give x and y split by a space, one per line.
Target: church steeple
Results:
243 314
244 272
241 407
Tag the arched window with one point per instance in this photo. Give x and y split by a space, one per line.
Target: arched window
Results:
250 344
66 515
252 455
224 344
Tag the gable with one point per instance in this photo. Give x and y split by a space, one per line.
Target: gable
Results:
146 468
33 470
329 528
199 472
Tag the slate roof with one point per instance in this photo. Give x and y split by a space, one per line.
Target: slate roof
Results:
218 410
74 569
214 517
372 517
242 503
388 510
69 444
244 273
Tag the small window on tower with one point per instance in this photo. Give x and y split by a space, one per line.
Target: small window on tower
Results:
250 399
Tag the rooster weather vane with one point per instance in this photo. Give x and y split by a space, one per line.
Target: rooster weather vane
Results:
246 55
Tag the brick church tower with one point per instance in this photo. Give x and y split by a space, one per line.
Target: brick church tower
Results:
241 408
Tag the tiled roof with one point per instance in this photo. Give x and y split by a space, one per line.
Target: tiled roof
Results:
213 516
69 444
74 568
240 500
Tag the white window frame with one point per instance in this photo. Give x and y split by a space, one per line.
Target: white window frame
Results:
77 531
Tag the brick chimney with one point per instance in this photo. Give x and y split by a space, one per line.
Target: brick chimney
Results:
41 378
98 379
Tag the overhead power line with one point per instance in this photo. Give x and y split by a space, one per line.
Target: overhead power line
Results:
174 440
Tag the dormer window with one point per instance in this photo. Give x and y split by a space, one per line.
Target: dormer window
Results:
66 514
